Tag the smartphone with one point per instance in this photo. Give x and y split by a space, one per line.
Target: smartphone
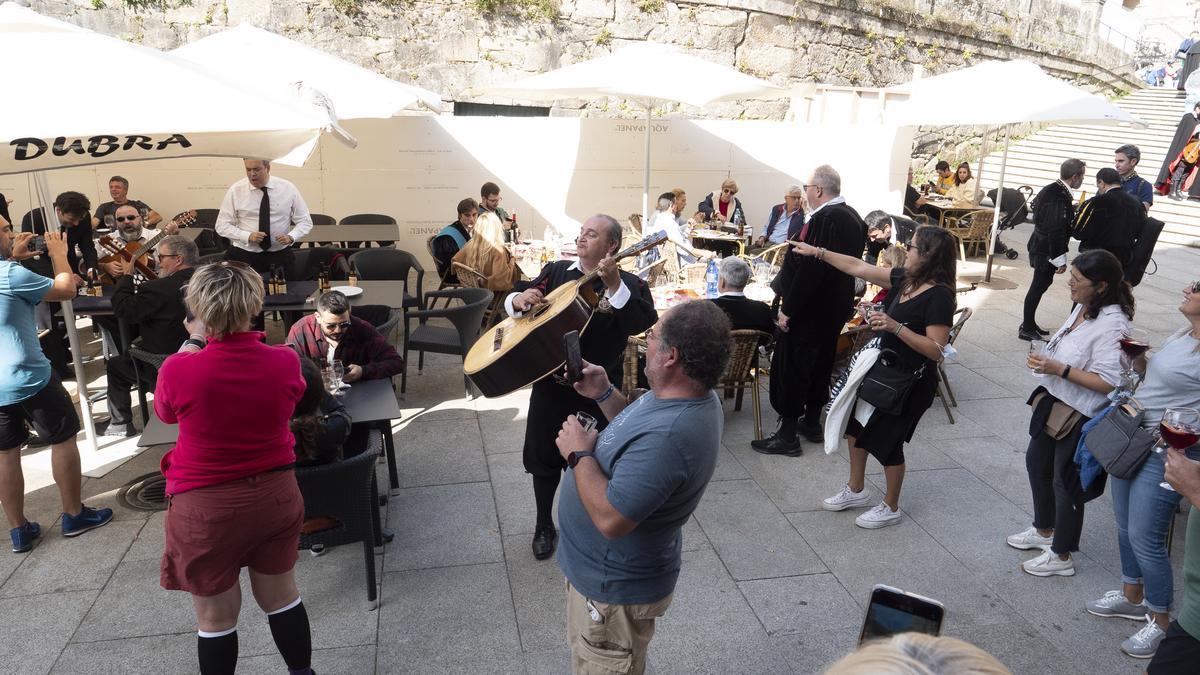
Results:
574 356
893 611
38 244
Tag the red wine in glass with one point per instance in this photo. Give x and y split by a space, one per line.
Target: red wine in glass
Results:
1180 436
1134 347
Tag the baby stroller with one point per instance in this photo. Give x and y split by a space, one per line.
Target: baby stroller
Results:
1014 209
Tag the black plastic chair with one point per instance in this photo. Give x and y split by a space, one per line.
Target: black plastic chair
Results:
322 219
374 264
307 262
367 219
144 359
466 320
206 218
347 492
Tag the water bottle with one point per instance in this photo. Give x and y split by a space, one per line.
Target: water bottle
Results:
710 279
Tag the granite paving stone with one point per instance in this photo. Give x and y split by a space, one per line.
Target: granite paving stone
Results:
36 628
791 605
443 525
539 596
150 655
440 452
57 563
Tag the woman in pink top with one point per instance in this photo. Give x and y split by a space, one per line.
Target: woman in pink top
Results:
234 501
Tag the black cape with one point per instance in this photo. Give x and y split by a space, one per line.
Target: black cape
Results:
1183 132
1190 63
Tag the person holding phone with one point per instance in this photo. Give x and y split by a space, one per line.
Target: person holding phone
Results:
233 500
629 489
1078 369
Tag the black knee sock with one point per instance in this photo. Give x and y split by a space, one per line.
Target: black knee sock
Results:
787 428
289 627
544 488
218 652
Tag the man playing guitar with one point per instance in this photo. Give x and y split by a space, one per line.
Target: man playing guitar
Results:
626 308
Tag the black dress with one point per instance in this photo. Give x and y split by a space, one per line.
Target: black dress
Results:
885 435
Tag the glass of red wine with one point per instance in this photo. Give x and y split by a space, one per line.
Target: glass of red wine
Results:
1179 429
1133 343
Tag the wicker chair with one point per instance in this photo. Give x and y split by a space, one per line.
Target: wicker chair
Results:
741 373
629 372
971 230
694 274
671 255
774 255
654 271
944 391
144 359
469 277
345 491
635 223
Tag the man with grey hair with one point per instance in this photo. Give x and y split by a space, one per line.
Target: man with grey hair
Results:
664 221
155 311
731 297
1125 161
625 308
815 300
785 220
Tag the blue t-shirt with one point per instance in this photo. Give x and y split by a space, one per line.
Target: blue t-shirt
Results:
1139 187
24 369
659 455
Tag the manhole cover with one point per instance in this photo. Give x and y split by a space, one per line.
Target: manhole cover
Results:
145 493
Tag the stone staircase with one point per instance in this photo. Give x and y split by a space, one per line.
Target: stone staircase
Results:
1035 159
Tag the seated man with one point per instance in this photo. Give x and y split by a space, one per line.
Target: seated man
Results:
453 237
118 189
130 229
156 310
664 221
785 222
743 312
329 334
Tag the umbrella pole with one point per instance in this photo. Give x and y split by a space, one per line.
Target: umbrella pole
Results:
995 232
42 186
646 173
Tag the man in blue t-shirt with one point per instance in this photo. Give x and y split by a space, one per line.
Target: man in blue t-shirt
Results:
629 491
31 393
1125 161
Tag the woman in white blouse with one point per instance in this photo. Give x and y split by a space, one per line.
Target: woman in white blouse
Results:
1080 366
965 189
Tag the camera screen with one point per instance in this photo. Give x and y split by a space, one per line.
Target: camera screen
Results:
884 620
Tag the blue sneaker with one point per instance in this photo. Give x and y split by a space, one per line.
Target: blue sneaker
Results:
23 536
86 519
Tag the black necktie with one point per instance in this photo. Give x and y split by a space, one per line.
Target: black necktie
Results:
264 219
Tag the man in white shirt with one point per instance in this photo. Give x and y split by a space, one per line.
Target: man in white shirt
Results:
262 217
664 221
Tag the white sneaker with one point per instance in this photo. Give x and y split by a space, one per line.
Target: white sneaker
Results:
1029 540
1048 564
880 516
1114 603
1143 644
846 499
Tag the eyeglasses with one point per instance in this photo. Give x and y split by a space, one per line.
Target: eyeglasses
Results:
344 325
812 185
122 219
727 191
168 255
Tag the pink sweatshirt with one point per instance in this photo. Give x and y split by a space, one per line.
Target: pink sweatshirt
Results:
232 401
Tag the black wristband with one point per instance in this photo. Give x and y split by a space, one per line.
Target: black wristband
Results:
1066 371
198 344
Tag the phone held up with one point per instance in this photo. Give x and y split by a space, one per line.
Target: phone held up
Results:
893 611
574 356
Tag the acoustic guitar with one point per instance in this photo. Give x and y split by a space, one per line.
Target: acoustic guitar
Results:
133 251
521 350
1191 151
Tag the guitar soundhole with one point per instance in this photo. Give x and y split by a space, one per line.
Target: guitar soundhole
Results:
540 310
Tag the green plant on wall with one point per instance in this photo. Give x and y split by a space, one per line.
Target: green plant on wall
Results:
651 6
604 37
355 7
544 10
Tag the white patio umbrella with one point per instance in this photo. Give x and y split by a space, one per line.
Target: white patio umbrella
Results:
193 112
355 92
644 73
1003 93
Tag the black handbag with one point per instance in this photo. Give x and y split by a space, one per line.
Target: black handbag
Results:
1119 442
887 385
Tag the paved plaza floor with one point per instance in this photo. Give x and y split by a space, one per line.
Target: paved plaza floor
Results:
770 582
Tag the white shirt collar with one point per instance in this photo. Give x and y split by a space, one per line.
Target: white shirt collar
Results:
836 200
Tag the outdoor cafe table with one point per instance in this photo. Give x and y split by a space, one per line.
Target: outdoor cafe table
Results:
366 401
946 209
725 243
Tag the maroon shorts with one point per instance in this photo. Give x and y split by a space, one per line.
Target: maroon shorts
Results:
213 532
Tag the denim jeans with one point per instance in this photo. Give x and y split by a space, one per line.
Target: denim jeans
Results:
1143 512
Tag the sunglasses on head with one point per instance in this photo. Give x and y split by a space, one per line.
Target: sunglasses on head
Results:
122 219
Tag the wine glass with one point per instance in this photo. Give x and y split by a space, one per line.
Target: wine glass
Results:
586 421
110 221
336 371
1134 342
1179 429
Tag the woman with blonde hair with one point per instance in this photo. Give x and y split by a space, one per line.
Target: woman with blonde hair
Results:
918 654
233 501
485 253
722 205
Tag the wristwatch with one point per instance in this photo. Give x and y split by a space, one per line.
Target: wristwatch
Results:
574 457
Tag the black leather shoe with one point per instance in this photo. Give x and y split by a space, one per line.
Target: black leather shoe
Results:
1041 331
1027 335
544 539
774 445
813 433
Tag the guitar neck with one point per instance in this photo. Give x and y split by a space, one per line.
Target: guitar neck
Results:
649 241
150 243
